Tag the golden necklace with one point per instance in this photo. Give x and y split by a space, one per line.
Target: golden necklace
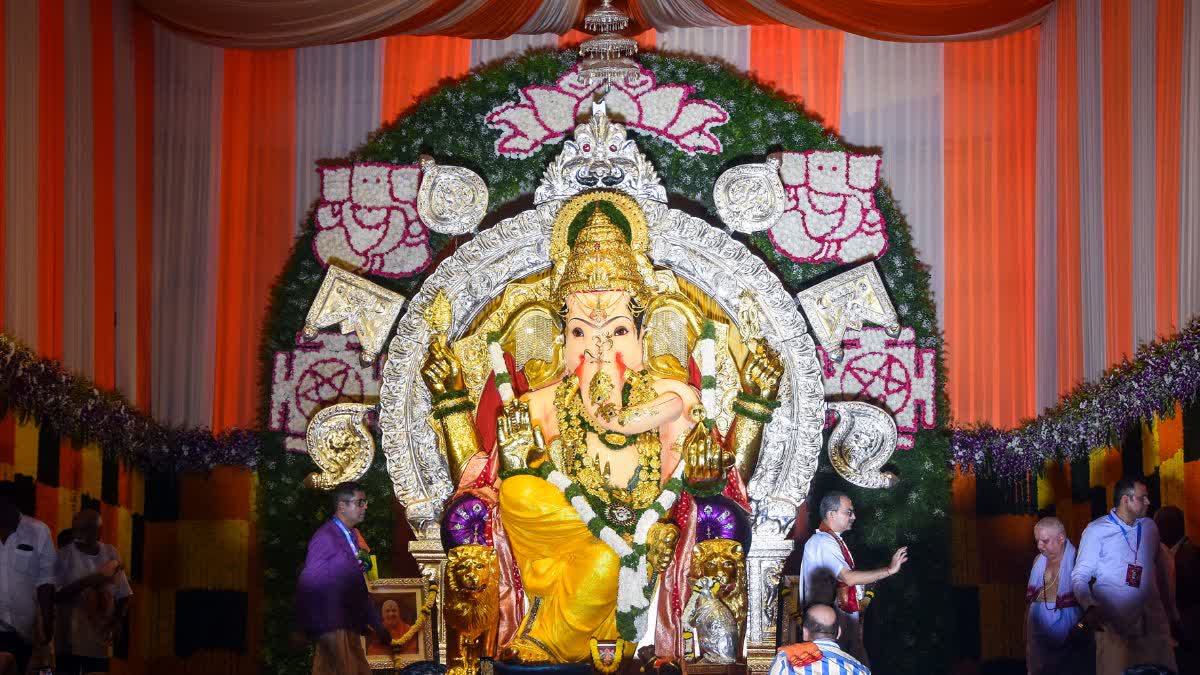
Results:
572 434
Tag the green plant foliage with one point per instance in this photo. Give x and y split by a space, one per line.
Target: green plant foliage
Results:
909 625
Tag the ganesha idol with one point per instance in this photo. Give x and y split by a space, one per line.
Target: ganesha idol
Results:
585 459
584 375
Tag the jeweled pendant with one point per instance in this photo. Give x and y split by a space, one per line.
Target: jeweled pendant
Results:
619 514
615 440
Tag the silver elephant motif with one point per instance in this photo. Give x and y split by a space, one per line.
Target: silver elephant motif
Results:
711 624
862 442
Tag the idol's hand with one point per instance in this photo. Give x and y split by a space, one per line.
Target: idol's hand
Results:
704 460
762 371
441 371
520 443
660 546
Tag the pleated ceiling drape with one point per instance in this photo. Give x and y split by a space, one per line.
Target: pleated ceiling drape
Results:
277 24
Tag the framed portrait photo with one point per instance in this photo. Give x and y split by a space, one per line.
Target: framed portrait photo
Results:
398 602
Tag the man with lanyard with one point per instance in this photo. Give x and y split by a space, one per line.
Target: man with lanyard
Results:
332 603
1120 581
828 576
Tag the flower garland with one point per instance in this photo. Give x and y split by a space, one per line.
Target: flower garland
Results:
70 405
1094 414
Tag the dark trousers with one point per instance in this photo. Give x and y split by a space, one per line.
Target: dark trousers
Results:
69 664
14 644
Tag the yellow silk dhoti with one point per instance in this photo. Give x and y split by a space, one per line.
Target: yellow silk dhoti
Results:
569 575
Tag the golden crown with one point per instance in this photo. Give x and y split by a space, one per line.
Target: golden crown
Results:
601 260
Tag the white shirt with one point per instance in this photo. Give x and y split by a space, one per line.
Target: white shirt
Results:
1107 549
820 567
26 562
80 627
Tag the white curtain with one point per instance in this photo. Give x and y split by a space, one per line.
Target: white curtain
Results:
21 171
1143 17
1046 290
187 134
1091 189
79 254
338 92
731 44
892 99
1189 178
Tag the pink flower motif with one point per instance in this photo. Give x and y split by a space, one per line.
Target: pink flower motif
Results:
544 115
367 219
892 372
831 213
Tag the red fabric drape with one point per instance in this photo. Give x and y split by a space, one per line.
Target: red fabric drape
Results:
915 20
280 23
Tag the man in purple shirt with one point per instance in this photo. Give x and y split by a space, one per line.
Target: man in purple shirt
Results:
333 606
1120 581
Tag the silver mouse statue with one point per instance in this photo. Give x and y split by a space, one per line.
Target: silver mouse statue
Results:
710 623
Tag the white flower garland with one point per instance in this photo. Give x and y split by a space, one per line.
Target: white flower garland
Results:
633 581
708 372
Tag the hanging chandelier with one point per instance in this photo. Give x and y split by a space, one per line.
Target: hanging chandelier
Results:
605 57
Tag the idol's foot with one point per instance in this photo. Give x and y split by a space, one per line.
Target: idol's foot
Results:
525 650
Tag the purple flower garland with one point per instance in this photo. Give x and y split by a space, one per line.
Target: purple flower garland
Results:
70 405
1094 415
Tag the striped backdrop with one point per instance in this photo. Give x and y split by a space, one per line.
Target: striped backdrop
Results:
152 187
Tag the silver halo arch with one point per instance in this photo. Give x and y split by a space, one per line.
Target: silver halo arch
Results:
707 256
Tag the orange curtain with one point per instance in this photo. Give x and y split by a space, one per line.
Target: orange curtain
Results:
1167 110
804 63
1070 301
257 152
990 131
414 65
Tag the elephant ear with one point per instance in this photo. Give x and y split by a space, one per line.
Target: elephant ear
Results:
530 337
669 331
864 171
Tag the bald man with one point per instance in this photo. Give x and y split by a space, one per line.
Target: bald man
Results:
1052 608
92 598
819 653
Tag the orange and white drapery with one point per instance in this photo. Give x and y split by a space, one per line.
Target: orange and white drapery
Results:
275 24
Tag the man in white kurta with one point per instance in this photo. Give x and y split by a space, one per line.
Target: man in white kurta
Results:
1052 608
828 576
1119 580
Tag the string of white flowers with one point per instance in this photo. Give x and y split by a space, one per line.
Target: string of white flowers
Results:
500 368
708 372
633 580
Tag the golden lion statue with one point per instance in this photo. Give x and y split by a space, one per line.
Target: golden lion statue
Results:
472 604
725 561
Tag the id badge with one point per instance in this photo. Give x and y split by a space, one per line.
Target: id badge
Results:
1133 576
